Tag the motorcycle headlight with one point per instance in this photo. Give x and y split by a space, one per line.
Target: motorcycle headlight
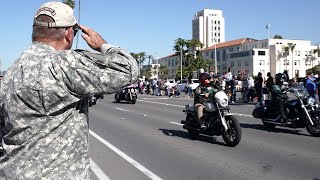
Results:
224 103
311 101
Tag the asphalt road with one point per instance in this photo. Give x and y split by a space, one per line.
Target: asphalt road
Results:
147 141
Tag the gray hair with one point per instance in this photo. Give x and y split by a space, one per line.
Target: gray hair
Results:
46 33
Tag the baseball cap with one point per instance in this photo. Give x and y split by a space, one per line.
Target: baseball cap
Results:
60 12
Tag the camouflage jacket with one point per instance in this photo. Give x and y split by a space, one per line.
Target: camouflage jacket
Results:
44 108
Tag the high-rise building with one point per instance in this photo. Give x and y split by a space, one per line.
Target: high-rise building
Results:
208 27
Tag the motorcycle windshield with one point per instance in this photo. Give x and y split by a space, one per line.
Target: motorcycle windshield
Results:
299 90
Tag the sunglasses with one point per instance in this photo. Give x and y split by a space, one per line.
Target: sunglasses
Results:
75 30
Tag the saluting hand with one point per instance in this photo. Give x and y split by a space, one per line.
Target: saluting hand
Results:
93 39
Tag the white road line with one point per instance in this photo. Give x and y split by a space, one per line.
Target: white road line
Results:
247 115
160 103
97 171
155 98
134 163
238 114
176 123
121 109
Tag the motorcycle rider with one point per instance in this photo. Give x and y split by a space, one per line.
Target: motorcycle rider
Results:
201 94
278 97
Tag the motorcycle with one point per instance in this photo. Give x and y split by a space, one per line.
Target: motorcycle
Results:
218 120
302 111
128 93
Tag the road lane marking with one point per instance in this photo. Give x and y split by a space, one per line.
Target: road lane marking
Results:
155 98
97 171
134 163
176 123
160 103
247 115
238 114
122 109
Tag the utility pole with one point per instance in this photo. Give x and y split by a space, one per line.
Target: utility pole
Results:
78 24
268 27
181 64
215 56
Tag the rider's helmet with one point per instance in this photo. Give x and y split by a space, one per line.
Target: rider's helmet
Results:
203 77
280 78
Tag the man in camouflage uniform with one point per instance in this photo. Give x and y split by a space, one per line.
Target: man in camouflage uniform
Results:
43 98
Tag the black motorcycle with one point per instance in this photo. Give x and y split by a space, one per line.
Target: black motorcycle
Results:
128 93
218 120
303 112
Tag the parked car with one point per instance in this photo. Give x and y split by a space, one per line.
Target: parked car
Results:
195 83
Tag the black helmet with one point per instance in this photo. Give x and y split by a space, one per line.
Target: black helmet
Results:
203 77
280 78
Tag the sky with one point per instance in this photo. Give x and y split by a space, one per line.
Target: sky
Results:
152 26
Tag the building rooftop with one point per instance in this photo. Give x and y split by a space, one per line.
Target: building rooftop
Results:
230 43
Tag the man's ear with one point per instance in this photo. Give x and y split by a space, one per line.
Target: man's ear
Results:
68 35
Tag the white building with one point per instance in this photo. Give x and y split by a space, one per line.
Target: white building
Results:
252 56
171 62
208 27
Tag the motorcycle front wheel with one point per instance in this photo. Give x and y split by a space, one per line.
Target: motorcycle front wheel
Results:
314 130
232 136
134 99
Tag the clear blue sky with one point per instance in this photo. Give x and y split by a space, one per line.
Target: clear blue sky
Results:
152 26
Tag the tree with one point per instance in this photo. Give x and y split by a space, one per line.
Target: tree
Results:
179 45
277 37
70 3
287 50
147 72
149 57
163 72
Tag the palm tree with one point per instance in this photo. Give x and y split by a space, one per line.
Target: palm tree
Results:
179 45
163 72
149 57
70 3
287 50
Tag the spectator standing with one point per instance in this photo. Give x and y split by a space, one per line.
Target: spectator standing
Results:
311 85
251 89
233 89
44 98
258 86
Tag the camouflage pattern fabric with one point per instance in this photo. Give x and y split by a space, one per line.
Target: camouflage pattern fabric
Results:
44 109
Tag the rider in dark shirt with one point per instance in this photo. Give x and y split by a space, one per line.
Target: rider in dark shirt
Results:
278 97
202 92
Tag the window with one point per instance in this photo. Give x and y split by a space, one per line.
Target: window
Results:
261 53
246 63
284 62
218 28
218 22
261 63
231 64
308 63
230 49
239 63
297 53
296 62
215 22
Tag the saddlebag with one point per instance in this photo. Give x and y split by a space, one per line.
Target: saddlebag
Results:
258 111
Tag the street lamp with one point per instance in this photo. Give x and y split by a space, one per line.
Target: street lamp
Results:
215 56
181 64
268 27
